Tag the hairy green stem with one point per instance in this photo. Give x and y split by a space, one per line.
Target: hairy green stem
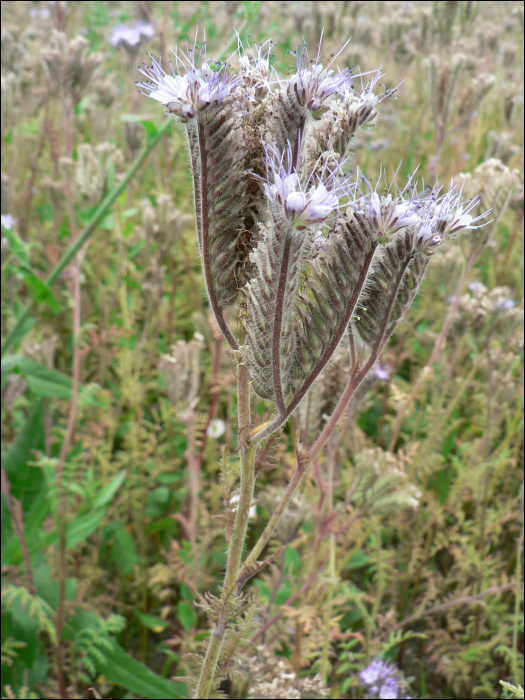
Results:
247 452
101 211
517 601
332 573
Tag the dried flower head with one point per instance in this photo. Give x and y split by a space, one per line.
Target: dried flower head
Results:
181 372
70 66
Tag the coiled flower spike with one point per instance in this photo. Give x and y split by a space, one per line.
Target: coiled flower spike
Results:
313 84
190 89
303 206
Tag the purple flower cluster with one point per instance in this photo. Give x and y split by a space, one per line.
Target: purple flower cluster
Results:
313 84
131 36
191 90
303 206
381 679
389 216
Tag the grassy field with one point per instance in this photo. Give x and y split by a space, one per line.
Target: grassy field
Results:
401 557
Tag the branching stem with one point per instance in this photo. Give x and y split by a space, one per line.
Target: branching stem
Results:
325 357
247 453
304 461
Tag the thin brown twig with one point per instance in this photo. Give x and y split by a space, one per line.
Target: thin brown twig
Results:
61 503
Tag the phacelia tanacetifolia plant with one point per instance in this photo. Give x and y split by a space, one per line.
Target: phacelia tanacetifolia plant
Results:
313 256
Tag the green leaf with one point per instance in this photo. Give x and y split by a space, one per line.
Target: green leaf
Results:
187 615
26 482
123 670
186 592
124 550
40 290
78 530
41 380
16 245
46 382
131 283
293 559
106 495
151 622
149 128
135 249
48 388
108 222
283 594
357 560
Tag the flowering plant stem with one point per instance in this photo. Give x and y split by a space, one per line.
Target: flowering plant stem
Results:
305 460
247 452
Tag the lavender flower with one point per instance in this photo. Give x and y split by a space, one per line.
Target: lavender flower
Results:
380 679
8 221
375 674
389 689
504 304
302 208
192 92
131 36
452 222
313 84
427 240
387 215
381 373
256 69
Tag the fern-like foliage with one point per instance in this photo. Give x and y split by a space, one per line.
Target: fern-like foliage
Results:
91 644
37 608
10 649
